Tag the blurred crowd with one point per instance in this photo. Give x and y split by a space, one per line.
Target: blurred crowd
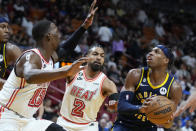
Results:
126 29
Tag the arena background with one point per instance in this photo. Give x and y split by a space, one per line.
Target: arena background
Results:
126 28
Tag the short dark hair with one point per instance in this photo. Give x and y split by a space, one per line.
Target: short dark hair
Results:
94 46
40 29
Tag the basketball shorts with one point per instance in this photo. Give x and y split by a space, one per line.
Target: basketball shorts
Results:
120 127
70 126
11 121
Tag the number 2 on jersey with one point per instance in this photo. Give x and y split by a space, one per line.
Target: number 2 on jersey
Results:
78 107
37 98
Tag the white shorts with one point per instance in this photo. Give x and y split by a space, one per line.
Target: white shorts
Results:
10 121
92 126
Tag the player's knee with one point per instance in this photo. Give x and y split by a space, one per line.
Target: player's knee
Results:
55 127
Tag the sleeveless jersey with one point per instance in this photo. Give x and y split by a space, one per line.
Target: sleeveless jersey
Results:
82 98
23 98
3 65
144 90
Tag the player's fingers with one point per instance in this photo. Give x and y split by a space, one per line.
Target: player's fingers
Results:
147 103
179 111
95 10
83 59
92 6
149 99
192 108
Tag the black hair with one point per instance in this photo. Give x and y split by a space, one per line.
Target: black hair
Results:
40 29
94 46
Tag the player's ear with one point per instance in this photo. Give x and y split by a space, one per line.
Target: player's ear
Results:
166 60
48 36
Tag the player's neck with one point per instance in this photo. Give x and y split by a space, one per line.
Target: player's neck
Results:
157 76
90 73
46 52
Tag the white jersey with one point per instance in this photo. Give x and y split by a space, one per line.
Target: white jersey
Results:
83 98
23 98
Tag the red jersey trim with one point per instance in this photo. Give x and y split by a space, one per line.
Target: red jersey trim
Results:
13 96
68 84
101 85
1 111
73 121
42 56
93 79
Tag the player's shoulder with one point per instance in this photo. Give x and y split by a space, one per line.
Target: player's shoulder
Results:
136 72
11 47
29 56
108 83
176 84
12 52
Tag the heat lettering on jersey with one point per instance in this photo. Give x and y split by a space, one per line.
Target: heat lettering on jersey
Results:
37 98
82 93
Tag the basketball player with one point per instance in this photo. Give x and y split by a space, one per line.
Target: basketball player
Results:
85 93
25 89
141 84
8 52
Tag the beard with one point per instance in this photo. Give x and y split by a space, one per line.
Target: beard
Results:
95 67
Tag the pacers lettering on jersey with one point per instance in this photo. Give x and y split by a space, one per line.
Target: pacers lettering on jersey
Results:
82 93
142 96
141 117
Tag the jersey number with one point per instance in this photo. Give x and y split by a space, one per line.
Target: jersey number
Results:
37 98
78 107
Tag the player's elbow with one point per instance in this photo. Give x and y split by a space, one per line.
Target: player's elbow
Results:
29 78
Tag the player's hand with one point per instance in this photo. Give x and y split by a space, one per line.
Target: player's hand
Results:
190 103
77 66
89 20
112 106
145 105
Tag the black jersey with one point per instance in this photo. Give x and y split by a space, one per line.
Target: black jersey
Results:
3 65
144 90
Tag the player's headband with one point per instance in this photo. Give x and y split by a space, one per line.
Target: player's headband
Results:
4 19
166 51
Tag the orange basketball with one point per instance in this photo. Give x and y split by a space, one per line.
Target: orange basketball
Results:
160 110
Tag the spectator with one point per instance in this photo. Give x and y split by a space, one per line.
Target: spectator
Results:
188 126
105 34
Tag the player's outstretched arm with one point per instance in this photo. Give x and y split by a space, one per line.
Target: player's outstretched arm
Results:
110 89
29 68
70 44
189 103
127 94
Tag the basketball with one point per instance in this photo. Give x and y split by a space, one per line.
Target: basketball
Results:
160 110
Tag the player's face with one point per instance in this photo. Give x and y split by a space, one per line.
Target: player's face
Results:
55 35
4 32
156 58
97 58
